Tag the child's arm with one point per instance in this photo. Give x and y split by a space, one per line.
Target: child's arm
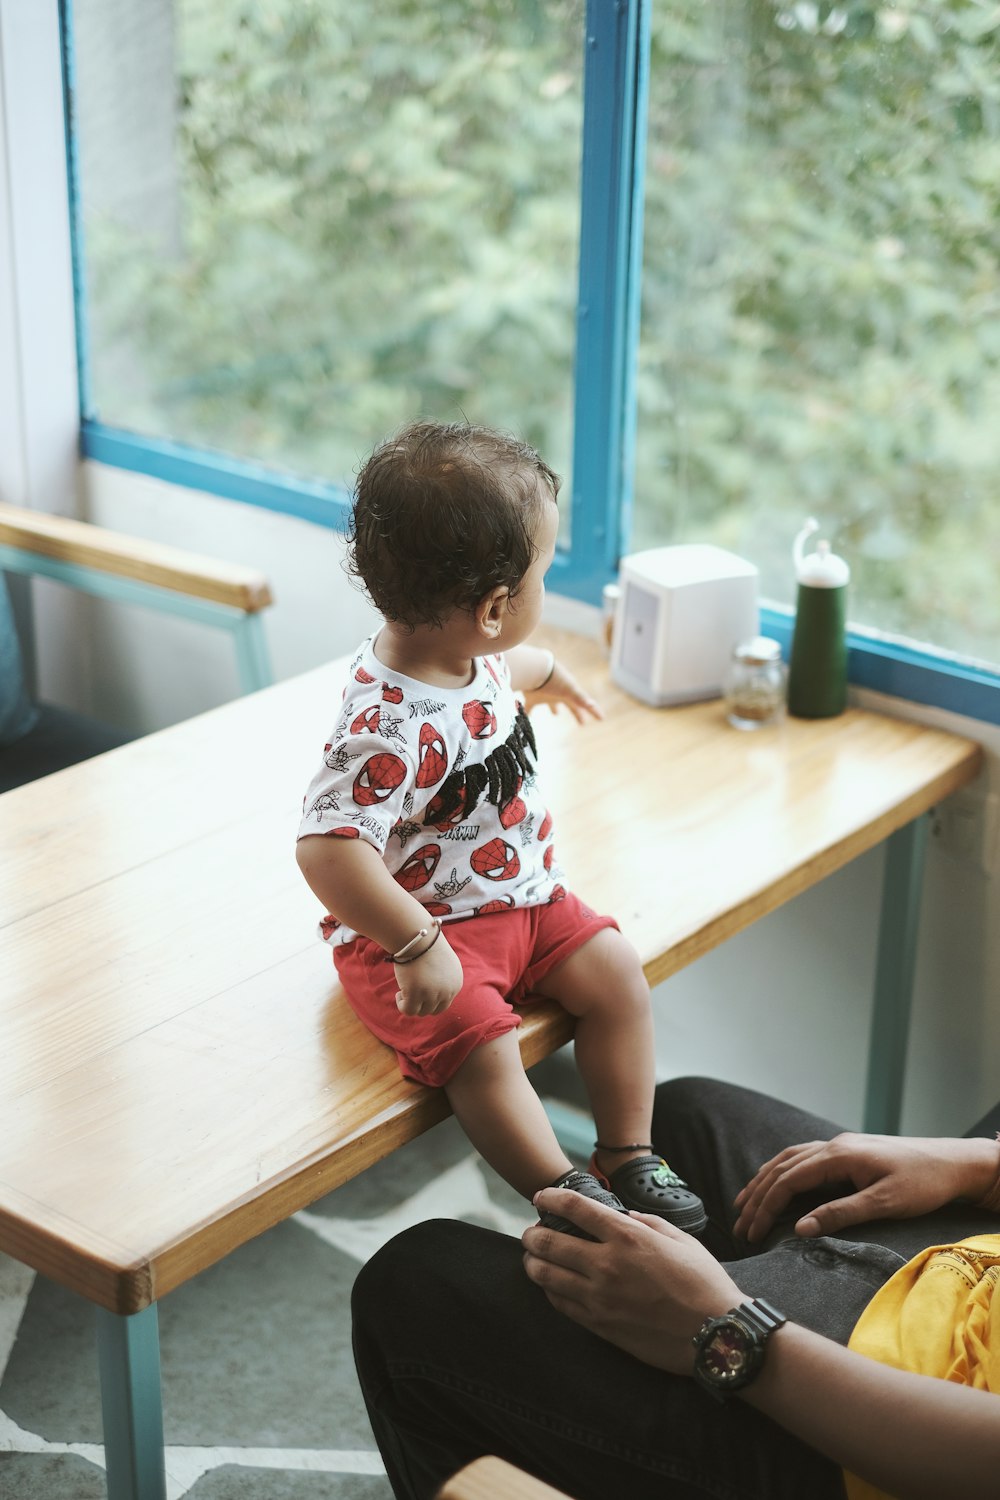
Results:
353 884
535 672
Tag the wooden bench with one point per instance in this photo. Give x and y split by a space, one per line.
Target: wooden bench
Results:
127 570
179 1070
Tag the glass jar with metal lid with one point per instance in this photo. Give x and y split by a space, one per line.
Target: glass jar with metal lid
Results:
755 684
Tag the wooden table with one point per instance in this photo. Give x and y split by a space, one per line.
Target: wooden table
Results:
179 1071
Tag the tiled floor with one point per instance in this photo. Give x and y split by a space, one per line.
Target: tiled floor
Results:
259 1390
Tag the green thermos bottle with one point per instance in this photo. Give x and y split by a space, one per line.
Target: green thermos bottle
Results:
817 670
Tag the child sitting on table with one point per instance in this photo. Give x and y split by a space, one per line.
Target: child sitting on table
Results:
427 839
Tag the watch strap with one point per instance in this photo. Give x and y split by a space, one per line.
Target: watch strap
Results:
761 1315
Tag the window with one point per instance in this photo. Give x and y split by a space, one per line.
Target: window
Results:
302 224
821 323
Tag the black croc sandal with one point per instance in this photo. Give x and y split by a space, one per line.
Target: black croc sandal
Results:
649 1186
589 1187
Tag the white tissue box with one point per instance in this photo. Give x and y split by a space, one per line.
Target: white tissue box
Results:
680 613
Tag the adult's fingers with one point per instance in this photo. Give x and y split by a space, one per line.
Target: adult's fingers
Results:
597 1219
556 1248
669 1231
750 1199
778 1182
856 1208
554 1278
768 1170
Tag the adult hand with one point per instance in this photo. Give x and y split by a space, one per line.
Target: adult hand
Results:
429 984
562 687
890 1178
640 1284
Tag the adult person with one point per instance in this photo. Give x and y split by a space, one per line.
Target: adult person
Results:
573 1358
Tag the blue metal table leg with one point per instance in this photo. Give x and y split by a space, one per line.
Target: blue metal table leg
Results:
895 968
573 1129
128 1350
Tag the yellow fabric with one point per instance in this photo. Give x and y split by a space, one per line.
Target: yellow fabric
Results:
937 1316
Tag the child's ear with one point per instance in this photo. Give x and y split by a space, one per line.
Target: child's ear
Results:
490 613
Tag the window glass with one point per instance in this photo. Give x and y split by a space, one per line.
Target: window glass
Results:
302 224
821 317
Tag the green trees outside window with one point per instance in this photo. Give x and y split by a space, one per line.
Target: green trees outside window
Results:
304 224
821 299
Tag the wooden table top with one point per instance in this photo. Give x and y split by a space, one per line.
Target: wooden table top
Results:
178 1069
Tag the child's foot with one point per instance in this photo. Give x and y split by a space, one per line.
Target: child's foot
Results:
590 1186
649 1186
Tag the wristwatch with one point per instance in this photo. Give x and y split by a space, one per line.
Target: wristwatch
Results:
730 1349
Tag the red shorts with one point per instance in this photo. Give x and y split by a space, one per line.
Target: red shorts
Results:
504 955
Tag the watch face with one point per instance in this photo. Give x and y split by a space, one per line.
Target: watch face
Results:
724 1357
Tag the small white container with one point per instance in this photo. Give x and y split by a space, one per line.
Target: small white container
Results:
681 611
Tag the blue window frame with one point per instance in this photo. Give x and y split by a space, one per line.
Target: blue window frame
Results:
616 72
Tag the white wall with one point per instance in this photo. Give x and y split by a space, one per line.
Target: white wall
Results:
38 381
786 1006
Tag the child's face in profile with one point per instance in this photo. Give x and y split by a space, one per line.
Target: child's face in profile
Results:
524 609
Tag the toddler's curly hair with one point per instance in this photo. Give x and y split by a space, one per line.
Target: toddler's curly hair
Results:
443 513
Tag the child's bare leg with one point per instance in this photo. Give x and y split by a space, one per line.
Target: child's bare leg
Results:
503 1116
603 985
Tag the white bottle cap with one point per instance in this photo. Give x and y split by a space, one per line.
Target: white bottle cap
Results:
821 569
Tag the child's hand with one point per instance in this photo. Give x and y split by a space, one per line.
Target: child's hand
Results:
430 983
562 687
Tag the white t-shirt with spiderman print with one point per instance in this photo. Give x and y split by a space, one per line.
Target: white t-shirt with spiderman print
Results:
441 781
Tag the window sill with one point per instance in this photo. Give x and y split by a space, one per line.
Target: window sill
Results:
217 474
885 666
900 670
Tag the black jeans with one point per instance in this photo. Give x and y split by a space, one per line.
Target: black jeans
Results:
459 1355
